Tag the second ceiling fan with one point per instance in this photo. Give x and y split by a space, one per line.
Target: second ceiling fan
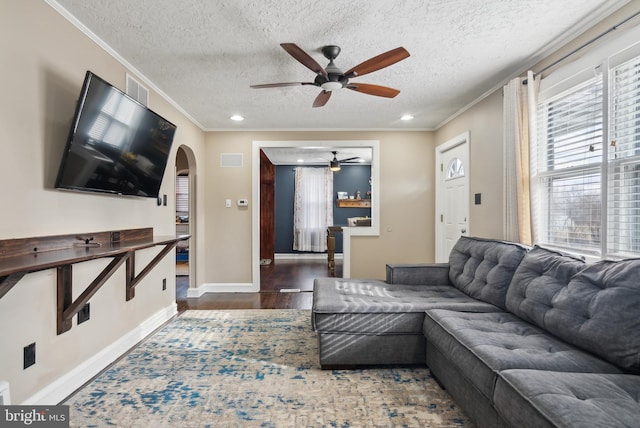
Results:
332 78
334 164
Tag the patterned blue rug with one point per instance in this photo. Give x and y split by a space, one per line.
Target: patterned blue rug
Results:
253 368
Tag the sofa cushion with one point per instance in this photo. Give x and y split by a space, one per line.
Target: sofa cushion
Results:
539 278
375 307
533 398
418 274
593 306
480 345
599 311
483 268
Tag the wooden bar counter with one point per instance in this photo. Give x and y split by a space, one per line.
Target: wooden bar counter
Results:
19 257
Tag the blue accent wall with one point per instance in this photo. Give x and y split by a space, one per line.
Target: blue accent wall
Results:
350 179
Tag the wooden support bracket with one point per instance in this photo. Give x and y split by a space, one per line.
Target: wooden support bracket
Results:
132 279
67 307
7 282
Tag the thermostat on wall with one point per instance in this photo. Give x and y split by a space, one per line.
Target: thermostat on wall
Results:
243 202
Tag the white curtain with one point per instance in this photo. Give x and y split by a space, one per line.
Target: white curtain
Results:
519 105
313 208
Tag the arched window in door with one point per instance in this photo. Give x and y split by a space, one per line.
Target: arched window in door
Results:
455 169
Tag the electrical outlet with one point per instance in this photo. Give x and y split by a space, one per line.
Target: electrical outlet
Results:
29 355
83 314
164 284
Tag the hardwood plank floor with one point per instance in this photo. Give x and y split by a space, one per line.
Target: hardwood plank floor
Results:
294 276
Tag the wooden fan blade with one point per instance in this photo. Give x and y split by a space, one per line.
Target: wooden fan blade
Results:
377 90
377 62
303 58
280 85
322 99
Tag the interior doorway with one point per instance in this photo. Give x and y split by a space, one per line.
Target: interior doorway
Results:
185 205
319 146
452 194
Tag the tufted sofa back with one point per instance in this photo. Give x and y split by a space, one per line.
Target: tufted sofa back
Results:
594 306
483 268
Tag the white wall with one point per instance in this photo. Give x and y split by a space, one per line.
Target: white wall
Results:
44 59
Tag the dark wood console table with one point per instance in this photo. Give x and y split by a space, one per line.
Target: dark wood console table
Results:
19 257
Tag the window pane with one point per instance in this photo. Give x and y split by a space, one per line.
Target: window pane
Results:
455 169
574 211
182 194
573 125
566 166
624 161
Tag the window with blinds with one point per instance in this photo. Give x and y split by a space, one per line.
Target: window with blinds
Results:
623 178
568 163
586 194
182 195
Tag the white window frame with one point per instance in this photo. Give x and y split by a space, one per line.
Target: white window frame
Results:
605 58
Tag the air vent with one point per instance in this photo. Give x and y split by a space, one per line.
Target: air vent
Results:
231 160
136 91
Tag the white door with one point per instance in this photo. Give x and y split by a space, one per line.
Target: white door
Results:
452 194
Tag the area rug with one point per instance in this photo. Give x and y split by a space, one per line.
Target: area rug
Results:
253 368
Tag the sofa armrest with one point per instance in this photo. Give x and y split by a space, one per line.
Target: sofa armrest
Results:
418 274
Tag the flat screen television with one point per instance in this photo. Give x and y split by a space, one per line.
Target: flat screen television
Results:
116 145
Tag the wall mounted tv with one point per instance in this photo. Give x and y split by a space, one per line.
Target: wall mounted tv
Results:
115 145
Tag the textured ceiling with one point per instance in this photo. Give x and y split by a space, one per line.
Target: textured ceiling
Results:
204 54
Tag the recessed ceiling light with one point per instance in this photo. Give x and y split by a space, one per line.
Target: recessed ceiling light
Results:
300 160
406 117
237 118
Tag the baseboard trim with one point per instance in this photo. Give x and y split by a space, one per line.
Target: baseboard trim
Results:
221 288
305 256
68 383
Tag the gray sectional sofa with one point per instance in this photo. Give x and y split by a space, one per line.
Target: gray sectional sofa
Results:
520 337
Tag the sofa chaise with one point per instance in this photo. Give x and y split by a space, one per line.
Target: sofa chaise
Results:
520 337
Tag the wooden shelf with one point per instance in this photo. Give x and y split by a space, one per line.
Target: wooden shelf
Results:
19 257
353 203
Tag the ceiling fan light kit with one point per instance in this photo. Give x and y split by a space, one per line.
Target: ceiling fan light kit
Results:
331 86
332 78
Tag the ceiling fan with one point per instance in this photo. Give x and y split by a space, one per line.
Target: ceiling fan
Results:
334 165
331 78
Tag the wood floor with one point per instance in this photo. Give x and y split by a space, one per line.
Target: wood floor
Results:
285 284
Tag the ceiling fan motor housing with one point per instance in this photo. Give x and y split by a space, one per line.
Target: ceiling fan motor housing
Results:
335 78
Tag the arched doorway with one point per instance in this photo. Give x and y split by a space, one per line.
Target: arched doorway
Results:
186 222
